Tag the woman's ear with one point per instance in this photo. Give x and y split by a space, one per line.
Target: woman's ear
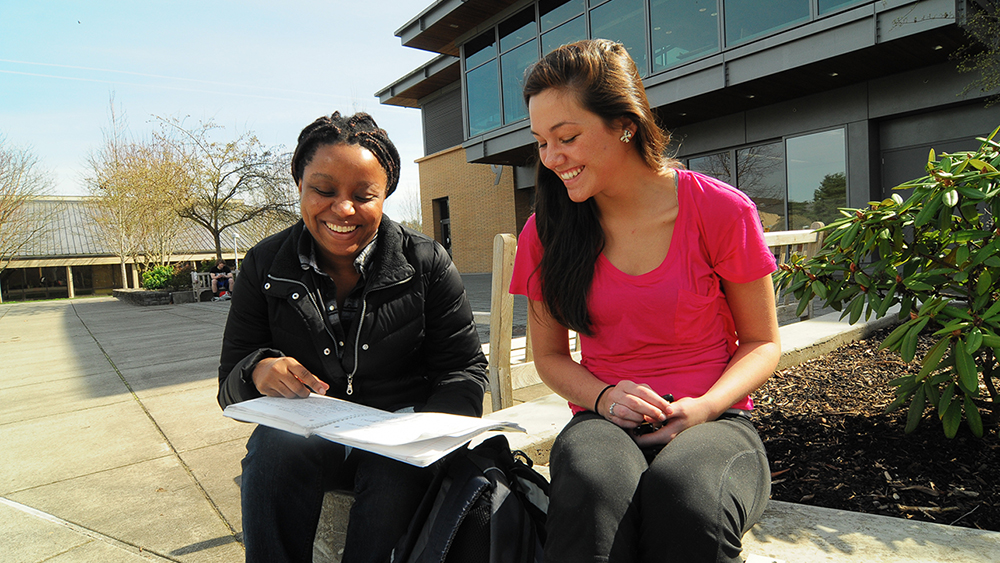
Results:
626 124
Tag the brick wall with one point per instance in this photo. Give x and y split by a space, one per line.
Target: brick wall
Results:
479 209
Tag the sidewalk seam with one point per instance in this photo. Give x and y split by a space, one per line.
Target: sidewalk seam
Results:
163 435
92 534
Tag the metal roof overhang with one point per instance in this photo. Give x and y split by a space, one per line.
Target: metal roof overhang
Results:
99 260
434 75
440 24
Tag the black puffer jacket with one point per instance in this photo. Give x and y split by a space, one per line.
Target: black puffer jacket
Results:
415 345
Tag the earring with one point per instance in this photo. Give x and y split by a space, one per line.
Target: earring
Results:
626 136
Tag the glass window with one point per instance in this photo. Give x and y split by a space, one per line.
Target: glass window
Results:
718 166
555 12
817 178
750 19
517 29
512 67
760 173
623 21
683 30
827 6
573 30
483 86
481 49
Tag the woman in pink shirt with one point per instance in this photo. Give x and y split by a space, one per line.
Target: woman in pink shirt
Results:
665 275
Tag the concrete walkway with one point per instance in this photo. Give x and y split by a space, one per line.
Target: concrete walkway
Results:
112 445
113 449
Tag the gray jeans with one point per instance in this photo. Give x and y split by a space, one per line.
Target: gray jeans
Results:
690 501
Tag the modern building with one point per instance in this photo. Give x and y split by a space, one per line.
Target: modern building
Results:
806 105
65 257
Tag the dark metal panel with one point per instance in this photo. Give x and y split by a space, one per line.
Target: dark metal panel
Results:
862 163
963 122
823 44
524 176
910 18
691 85
442 122
809 113
715 134
511 144
918 90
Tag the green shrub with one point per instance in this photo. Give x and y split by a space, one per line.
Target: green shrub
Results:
937 255
157 277
181 278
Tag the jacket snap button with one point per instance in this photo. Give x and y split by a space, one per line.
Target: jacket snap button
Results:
326 351
341 343
267 285
295 296
364 346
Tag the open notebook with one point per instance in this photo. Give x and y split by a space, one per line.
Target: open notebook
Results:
416 438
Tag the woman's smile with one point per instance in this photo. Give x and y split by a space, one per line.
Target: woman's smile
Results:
341 228
571 173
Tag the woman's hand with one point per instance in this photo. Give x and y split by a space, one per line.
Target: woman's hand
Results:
630 404
286 377
681 415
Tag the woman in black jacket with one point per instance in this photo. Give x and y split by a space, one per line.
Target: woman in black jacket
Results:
349 304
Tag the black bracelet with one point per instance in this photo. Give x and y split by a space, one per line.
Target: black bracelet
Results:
599 395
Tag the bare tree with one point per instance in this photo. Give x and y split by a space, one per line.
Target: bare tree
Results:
160 179
124 179
409 209
230 183
21 180
982 54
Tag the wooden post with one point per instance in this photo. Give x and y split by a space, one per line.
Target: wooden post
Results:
69 282
813 248
501 321
528 355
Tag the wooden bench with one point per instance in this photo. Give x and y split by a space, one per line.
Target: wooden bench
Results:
201 282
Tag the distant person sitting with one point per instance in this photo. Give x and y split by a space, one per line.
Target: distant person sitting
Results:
222 278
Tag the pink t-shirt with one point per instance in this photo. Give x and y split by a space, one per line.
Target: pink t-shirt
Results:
670 328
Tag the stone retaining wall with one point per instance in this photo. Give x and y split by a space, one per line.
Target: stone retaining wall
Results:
142 297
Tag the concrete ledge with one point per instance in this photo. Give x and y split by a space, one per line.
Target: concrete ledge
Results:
543 418
796 532
142 297
812 338
178 297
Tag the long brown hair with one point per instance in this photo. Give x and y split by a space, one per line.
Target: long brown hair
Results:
606 82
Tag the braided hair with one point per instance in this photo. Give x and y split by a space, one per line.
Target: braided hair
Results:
358 129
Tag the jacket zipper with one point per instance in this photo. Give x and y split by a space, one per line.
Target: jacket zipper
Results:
357 336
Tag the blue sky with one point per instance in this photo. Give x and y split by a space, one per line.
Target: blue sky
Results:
269 66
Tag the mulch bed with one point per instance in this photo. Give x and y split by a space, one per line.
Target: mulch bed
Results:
830 444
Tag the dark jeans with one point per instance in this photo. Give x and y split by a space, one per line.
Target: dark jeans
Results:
692 502
284 479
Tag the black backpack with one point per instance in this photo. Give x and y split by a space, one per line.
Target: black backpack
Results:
485 505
